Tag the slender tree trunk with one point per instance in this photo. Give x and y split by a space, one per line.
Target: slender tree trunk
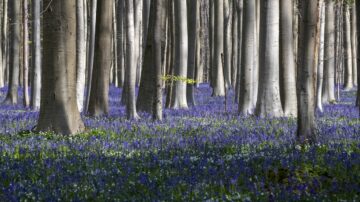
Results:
4 42
269 102
26 54
138 9
211 40
228 42
247 58
114 45
14 52
239 55
218 83
287 58
354 43
90 62
193 23
320 72
36 55
181 55
131 62
58 109
98 105
349 84
80 53
159 21
329 64
120 42
358 50
2 83
306 85
235 42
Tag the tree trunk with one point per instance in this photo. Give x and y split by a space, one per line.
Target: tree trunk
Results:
235 42
26 54
58 109
138 9
159 21
120 42
247 58
320 72
354 43
228 42
90 62
36 55
14 52
349 84
193 23
80 53
306 102
287 57
178 99
238 61
4 42
329 64
131 62
99 94
269 103
218 83
2 83
358 50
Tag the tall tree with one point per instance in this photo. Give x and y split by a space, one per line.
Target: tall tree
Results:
306 85
329 64
358 50
120 46
320 70
349 84
2 83
80 52
131 62
26 100
36 55
181 55
218 83
58 109
354 41
247 58
228 41
14 51
99 94
287 60
269 103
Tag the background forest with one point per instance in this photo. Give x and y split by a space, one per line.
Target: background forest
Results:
179 100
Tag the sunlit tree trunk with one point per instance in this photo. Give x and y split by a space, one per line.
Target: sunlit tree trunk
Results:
58 109
269 103
14 52
329 64
349 84
354 43
98 104
320 71
247 58
36 55
131 61
306 85
80 52
178 99
358 50
218 83
287 60
26 100
228 42
138 9
2 83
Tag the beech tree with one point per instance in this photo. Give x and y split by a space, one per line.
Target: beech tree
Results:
58 110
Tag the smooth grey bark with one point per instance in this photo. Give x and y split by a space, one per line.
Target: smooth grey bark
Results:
227 42
348 84
26 99
320 71
269 102
159 21
178 99
138 9
357 6
235 42
193 23
90 62
36 55
114 46
99 94
131 61
306 85
2 83
329 64
211 72
218 83
58 109
120 42
238 61
80 52
14 52
4 42
354 43
247 58
287 60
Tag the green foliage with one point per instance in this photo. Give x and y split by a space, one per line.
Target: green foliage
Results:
171 78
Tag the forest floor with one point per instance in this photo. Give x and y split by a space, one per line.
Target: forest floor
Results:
203 153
